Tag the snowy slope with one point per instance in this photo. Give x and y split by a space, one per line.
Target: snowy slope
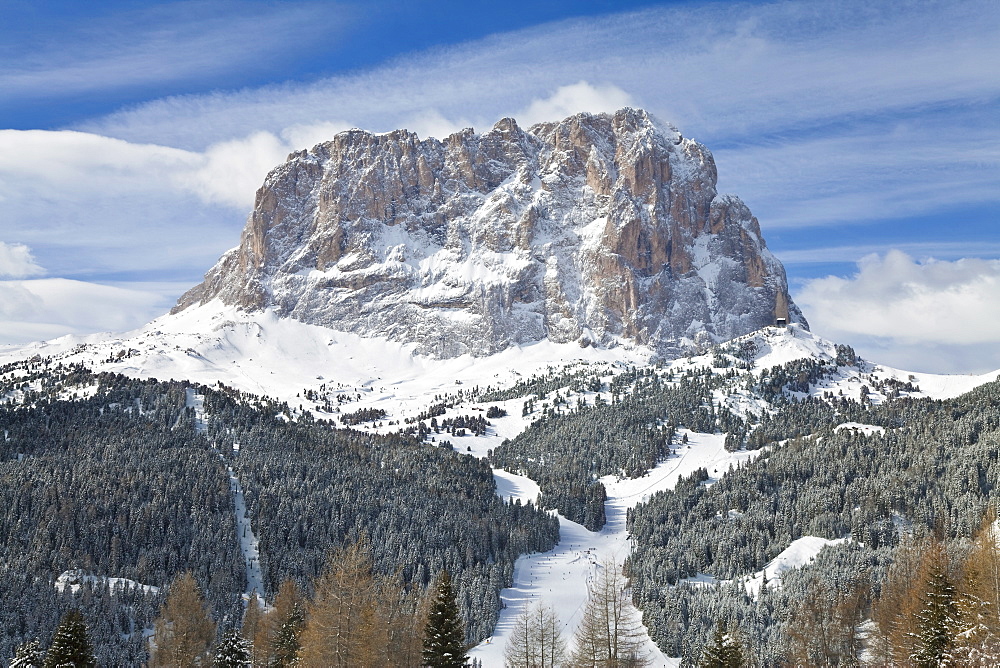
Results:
282 358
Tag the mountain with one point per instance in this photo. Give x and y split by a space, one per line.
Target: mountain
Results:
595 229
748 483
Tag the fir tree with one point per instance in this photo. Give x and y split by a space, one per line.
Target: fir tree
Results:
936 620
722 652
444 636
28 655
233 650
286 642
71 646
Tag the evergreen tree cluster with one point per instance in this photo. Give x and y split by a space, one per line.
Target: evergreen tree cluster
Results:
565 451
117 483
933 468
108 475
363 415
423 509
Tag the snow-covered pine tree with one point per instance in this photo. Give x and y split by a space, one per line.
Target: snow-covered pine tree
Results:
444 636
71 646
936 619
233 650
28 655
286 642
722 652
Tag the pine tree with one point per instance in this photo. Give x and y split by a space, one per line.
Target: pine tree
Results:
71 646
936 619
28 655
233 650
183 631
286 641
722 652
444 636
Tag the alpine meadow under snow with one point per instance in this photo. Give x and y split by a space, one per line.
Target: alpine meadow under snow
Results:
544 374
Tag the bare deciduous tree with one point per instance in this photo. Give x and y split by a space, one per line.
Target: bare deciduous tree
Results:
537 640
610 634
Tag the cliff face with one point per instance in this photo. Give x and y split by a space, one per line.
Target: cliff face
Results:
595 229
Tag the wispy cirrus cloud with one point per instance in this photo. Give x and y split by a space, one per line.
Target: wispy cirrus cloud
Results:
720 72
162 44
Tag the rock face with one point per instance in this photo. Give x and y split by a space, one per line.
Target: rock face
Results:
598 229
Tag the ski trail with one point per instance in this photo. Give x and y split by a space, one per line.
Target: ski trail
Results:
249 545
561 577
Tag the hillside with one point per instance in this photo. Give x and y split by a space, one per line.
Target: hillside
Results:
737 404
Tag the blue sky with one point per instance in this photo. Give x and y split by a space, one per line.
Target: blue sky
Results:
864 136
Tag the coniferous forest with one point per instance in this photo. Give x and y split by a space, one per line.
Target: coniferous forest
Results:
116 509
106 475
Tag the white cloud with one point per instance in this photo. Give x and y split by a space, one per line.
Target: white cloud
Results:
928 315
231 171
16 261
45 308
572 99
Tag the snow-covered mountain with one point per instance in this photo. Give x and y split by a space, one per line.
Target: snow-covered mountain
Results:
391 275
593 229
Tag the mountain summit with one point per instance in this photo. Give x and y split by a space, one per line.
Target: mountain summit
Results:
598 228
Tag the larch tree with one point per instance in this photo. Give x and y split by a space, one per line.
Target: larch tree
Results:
610 633
977 641
536 640
71 645
823 625
346 626
184 632
895 610
444 636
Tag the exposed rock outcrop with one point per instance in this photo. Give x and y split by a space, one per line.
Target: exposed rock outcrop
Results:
597 228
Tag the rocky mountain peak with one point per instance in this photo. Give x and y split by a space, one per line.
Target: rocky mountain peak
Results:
599 228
